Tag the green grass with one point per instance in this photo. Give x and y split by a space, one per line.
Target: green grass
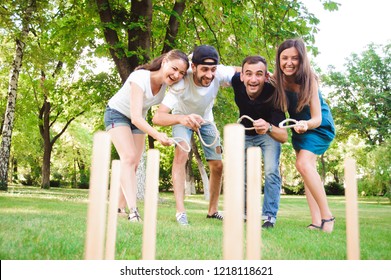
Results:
50 224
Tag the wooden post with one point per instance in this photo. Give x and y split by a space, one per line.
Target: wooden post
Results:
254 173
113 210
99 178
352 224
233 192
150 205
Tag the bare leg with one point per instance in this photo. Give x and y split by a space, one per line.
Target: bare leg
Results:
179 178
122 200
216 172
122 204
306 165
130 148
314 209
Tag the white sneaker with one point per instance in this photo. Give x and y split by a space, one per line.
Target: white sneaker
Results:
182 219
134 216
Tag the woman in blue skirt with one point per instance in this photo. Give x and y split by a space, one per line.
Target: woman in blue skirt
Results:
297 92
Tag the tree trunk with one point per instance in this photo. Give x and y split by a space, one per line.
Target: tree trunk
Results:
323 165
9 115
173 25
14 170
44 129
139 36
189 183
140 175
117 54
201 168
11 101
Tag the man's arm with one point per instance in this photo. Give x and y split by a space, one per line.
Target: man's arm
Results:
277 133
163 117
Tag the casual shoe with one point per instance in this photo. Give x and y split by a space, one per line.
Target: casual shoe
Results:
332 219
216 215
182 219
134 216
122 212
267 225
314 227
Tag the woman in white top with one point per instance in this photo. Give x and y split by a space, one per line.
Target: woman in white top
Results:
126 111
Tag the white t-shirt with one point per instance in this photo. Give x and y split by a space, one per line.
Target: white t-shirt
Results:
121 100
185 97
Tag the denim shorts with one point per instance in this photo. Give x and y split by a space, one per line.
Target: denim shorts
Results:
208 133
113 118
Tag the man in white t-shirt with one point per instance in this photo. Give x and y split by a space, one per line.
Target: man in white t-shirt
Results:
190 102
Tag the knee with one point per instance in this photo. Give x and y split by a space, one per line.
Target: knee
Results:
216 167
180 158
302 167
129 162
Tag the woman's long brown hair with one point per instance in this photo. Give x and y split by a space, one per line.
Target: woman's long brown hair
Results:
305 77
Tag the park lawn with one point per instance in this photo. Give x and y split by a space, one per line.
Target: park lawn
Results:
39 224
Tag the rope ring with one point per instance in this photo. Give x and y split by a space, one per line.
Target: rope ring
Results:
246 117
178 140
295 123
216 136
187 149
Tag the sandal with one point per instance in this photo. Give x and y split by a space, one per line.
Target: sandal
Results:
332 219
314 227
216 215
134 216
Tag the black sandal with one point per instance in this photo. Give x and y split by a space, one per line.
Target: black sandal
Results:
332 219
314 227
216 215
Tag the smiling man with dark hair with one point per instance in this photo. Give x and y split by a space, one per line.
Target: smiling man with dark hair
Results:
253 98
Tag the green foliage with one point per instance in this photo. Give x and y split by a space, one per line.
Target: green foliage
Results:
334 188
377 178
361 96
295 189
331 5
361 108
235 28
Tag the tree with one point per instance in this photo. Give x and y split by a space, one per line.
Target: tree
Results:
26 12
361 109
361 96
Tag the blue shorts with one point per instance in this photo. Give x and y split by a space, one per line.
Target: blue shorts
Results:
113 118
208 133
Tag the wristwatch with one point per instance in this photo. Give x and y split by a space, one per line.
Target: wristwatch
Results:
270 129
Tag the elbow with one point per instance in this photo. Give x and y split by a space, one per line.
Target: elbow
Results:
156 119
317 122
284 138
136 122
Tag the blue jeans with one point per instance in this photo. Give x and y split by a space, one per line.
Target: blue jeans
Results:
208 133
113 118
271 150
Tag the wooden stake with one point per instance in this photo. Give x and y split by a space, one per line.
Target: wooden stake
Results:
254 173
352 225
150 205
233 192
96 215
113 210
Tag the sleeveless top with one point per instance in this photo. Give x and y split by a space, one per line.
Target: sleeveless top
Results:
315 140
